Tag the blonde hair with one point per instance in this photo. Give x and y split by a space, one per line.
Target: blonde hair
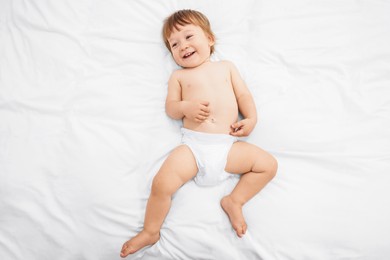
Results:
184 17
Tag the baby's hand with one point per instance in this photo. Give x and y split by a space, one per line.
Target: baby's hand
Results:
197 111
243 127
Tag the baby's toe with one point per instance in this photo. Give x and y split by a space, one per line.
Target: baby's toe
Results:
240 230
244 228
126 250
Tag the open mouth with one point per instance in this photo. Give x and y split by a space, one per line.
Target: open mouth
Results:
187 55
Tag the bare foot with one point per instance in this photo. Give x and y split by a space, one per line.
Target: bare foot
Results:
234 211
139 241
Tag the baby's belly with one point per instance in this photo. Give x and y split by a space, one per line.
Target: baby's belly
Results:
223 110
215 123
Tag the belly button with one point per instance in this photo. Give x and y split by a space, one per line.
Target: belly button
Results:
212 120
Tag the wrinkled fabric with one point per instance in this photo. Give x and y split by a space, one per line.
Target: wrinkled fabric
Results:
83 129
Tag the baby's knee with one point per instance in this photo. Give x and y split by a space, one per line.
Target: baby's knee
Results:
165 185
269 166
273 166
160 187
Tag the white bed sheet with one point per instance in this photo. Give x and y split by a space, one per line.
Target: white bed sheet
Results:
83 129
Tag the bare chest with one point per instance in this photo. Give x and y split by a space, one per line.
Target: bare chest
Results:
206 86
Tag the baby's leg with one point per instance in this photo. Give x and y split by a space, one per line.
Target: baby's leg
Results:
258 168
178 168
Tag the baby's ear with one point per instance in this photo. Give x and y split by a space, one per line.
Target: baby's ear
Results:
211 40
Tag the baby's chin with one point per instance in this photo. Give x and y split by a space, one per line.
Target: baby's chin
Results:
188 65
191 65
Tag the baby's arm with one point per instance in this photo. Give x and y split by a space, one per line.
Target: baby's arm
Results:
177 108
246 105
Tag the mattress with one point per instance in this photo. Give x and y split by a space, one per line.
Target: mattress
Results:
83 129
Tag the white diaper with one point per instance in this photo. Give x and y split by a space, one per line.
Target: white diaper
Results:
211 152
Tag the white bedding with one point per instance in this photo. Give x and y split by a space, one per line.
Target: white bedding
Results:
83 129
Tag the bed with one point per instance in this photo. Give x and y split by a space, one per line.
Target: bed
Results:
83 129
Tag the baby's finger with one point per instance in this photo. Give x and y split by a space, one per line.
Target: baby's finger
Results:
237 125
201 118
238 133
205 109
205 103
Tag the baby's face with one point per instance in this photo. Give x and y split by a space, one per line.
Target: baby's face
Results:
190 46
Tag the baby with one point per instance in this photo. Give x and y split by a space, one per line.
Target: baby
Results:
207 96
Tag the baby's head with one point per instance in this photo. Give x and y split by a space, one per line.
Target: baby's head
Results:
196 23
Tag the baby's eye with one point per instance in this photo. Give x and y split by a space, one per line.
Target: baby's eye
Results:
173 45
189 36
